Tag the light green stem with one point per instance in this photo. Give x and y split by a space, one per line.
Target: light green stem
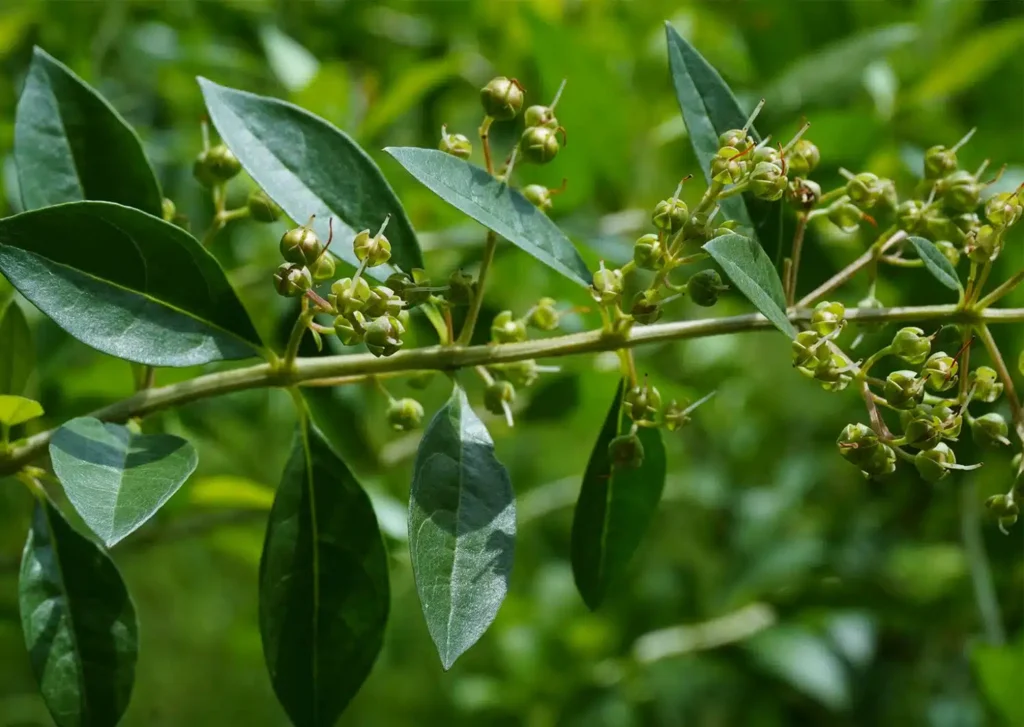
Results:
466 335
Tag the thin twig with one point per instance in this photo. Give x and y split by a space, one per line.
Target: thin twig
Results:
794 269
850 270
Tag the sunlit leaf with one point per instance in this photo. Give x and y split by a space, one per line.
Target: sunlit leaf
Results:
998 669
230 491
293 65
408 91
936 263
15 410
750 270
805 662
17 351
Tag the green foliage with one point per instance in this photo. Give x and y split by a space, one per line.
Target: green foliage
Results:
750 269
17 358
936 263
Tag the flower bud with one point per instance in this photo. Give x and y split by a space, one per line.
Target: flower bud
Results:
880 462
803 158
461 288
828 317
903 389
990 431
502 98
301 246
938 162
940 371
626 452
648 253
539 144
544 316
856 443
728 166
383 335
645 308
966 222
458 145
674 416
704 287
932 464
540 116
737 139
949 251
506 329
961 191
846 217
922 432
864 190
949 421
382 301
642 402
910 214
539 196
984 245
803 193
766 154
374 250
347 296
768 182
350 328
405 414
1004 209
831 370
1003 506
292 280
607 286
406 287
670 215
168 209
215 165
323 268
499 395
261 207
911 345
521 374
805 348
985 383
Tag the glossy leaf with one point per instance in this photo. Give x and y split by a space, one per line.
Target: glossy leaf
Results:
709 110
308 166
70 144
936 263
324 592
615 508
126 283
15 410
17 352
462 527
117 479
494 205
752 272
79 624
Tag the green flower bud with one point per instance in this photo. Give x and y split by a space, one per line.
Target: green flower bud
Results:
458 145
168 209
1003 506
540 116
323 268
347 296
404 287
261 207
670 215
383 335
856 443
502 98
642 402
1004 209
768 182
986 384
831 371
544 316
911 345
215 166
803 158
645 308
903 389
938 162
648 253
607 286
864 190
807 352
539 195
539 144
910 214
887 198
828 317
506 329
949 251
292 280
932 464
674 416
461 288
990 431
705 286
984 245
960 191
938 226
803 193
696 229
626 452
374 250
880 462
499 395
966 222
846 217
521 374
728 166
949 421
382 301
737 139
922 432
940 371
405 414
766 154
350 328
301 246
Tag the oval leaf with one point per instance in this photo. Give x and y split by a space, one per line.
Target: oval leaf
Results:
17 352
308 166
936 263
15 410
117 479
496 206
615 507
126 283
70 144
324 592
750 270
462 527
79 624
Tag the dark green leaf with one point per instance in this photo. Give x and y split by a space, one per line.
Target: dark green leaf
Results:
614 508
17 352
126 283
494 205
750 270
709 110
936 263
309 166
115 478
324 592
79 624
70 144
462 527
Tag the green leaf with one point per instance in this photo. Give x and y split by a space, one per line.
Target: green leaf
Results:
324 593
462 528
804 661
15 410
750 270
494 205
614 508
998 670
70 144
79 624
936 263
308 166
117 479
17 352
709 110
126 283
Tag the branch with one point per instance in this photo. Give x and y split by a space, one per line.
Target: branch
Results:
449 358
1004 375
872 254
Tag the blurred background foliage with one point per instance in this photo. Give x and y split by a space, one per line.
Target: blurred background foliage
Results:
777 587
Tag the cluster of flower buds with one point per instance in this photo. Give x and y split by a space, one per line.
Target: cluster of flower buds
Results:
643 405
215 165
306 262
